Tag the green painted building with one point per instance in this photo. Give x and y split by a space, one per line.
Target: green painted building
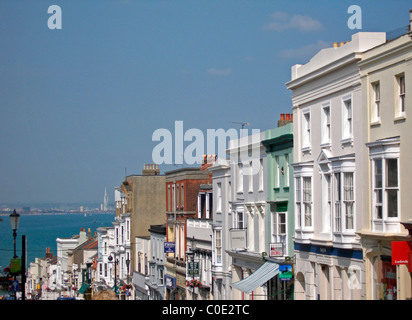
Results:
280 204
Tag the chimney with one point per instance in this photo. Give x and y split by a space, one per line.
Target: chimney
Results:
89 233
410 20
151 170
49 255
285 119
208 160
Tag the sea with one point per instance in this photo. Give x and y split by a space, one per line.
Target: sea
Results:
42 230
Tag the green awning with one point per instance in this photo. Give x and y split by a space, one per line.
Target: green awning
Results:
83 288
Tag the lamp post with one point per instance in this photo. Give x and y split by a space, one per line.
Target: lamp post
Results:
14 222
110 258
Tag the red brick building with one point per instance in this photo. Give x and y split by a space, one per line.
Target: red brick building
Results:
182 189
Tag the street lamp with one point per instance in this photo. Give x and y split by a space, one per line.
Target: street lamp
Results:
110 258
14 222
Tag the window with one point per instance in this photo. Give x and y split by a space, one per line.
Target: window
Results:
306 131
298 198
238 222
386 193
347 118
286 170
219 197
326 123
401 94
160 276
385 213
307 200
261 175
344 201
277 173
327 203
279 228
218 246
376 112
240 178
250 178
304 201
348 199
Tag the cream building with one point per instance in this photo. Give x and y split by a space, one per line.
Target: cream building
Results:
328 171
386 73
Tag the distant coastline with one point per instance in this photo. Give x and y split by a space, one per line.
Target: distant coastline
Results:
6 214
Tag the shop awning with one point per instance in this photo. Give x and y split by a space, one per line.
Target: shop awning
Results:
259 277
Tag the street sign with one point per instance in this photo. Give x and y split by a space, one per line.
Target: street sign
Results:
14 286
15 265
193 269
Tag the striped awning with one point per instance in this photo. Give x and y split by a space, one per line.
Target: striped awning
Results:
266 272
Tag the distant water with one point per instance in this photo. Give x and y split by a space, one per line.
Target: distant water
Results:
41 232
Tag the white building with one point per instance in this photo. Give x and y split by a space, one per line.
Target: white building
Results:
64 245
157 258
247 214
221 261
328 171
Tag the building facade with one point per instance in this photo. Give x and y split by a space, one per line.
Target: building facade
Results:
182 189
247 224
386 73
328 171
157 259
221 260
280 204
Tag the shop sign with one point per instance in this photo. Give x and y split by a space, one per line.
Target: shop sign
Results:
238 238
400 252
15 265
276 250
285 272
169 247
170 282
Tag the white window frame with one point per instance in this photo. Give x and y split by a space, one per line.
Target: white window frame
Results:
261 181
401 94
218 246
240 178
238 219
286 170
302 203
306 130
219 197
347 119
326 124
277 172
250 178
376 112
276 236
384 150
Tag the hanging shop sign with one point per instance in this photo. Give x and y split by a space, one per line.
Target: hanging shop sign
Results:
169 247
400 252
15 265
285 272
276 249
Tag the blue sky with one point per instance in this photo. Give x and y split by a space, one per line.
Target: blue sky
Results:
80 104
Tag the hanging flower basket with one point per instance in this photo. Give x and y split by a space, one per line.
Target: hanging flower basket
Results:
193 283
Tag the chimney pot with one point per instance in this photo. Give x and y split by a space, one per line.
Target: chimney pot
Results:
282 116
335 45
